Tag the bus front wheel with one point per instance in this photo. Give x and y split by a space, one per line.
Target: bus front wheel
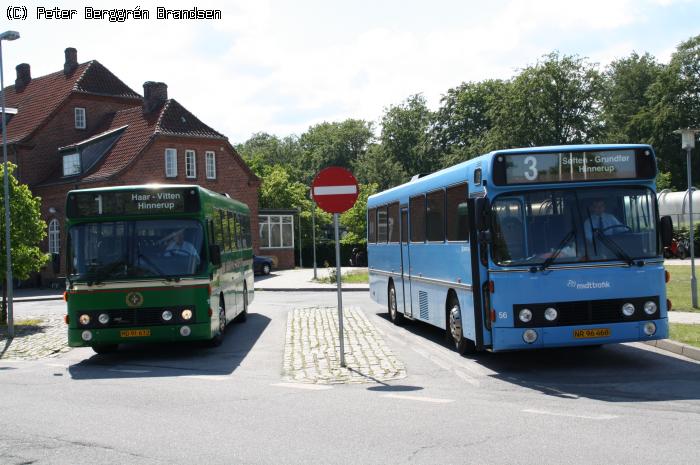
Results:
394 315
455 330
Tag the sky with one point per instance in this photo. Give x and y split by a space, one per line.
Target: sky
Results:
281 66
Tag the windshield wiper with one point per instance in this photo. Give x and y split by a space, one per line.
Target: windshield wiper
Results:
103 273
615 247
548 262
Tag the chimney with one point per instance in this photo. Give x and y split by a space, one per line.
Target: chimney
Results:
154 95
71 61
24 75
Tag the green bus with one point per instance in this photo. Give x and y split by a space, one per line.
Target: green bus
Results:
155 263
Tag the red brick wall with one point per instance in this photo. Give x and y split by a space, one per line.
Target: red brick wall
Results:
40 159
284 257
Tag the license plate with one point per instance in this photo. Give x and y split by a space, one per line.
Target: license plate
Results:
591 333
135 333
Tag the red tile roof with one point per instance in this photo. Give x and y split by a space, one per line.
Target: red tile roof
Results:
172 119
44 95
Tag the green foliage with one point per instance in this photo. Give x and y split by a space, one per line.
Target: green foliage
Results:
27 230
355 219
554 102
663 181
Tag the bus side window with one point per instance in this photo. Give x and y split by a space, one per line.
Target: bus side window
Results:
417 214
382 230
233 240
239 231
218 230
372 226
435 216
457 213
211 232
224 231
393 222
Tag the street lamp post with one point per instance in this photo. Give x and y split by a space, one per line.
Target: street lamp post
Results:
688 143
7 35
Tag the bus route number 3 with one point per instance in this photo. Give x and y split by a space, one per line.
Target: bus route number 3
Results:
530 168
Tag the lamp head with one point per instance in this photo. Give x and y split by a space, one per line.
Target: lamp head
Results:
687 137
9 35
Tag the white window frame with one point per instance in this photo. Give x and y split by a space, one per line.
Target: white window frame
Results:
72 160
170 163
276 220
190 164
80 118
210 164
54 236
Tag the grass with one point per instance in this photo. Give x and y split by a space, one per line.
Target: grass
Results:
678 289
687 334
34 322
354 277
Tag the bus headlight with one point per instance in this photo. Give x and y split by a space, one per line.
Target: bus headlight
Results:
551 314
649 328
167 315
87 335
628 309
530 336
185 331
103 318
84 319
525 315
186 314
650 307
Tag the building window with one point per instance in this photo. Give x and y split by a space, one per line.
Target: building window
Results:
276 231
170 163
54 236
190 164
210 158
80 121
71 164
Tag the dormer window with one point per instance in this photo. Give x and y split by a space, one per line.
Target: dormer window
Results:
71 164
80 121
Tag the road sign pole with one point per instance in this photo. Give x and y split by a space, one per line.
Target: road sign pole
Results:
340 293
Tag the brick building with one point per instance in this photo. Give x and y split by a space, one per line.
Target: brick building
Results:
82 127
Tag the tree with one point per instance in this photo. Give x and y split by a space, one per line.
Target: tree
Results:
378 167
464 119
334 144
626 85
27 230
263 150
404 138
554 102
355 219
674 102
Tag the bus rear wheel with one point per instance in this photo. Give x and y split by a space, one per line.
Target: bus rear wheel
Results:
105 348
394 315
455 331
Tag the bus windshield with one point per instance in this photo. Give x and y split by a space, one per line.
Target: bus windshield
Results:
136 249
566 226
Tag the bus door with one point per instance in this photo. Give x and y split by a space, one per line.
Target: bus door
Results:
405 266
480 278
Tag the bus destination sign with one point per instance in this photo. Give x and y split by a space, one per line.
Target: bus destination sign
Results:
531 168
141 202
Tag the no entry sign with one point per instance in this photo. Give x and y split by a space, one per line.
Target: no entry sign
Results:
334 189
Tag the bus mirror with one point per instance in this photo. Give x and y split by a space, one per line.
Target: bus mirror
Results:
481 207
56 263
215 255
666 228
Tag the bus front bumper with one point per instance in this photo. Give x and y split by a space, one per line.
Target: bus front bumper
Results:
561 336
170 333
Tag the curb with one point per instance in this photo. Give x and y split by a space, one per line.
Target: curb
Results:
311 289
37 299
676 347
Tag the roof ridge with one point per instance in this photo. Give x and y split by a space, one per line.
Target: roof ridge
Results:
163 109
76 84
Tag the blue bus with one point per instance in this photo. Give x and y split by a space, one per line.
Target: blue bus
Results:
526 248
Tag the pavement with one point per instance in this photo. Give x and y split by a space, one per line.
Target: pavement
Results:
308 352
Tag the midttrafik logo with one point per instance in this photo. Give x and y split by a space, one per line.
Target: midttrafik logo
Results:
588 285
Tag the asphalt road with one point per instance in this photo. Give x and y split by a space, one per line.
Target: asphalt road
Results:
171 404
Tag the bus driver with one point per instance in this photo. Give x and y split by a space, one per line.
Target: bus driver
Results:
178 246
603 222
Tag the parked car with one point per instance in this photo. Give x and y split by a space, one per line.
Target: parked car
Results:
261 265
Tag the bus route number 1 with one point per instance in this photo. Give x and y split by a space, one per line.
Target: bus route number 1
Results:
531 165
98 199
